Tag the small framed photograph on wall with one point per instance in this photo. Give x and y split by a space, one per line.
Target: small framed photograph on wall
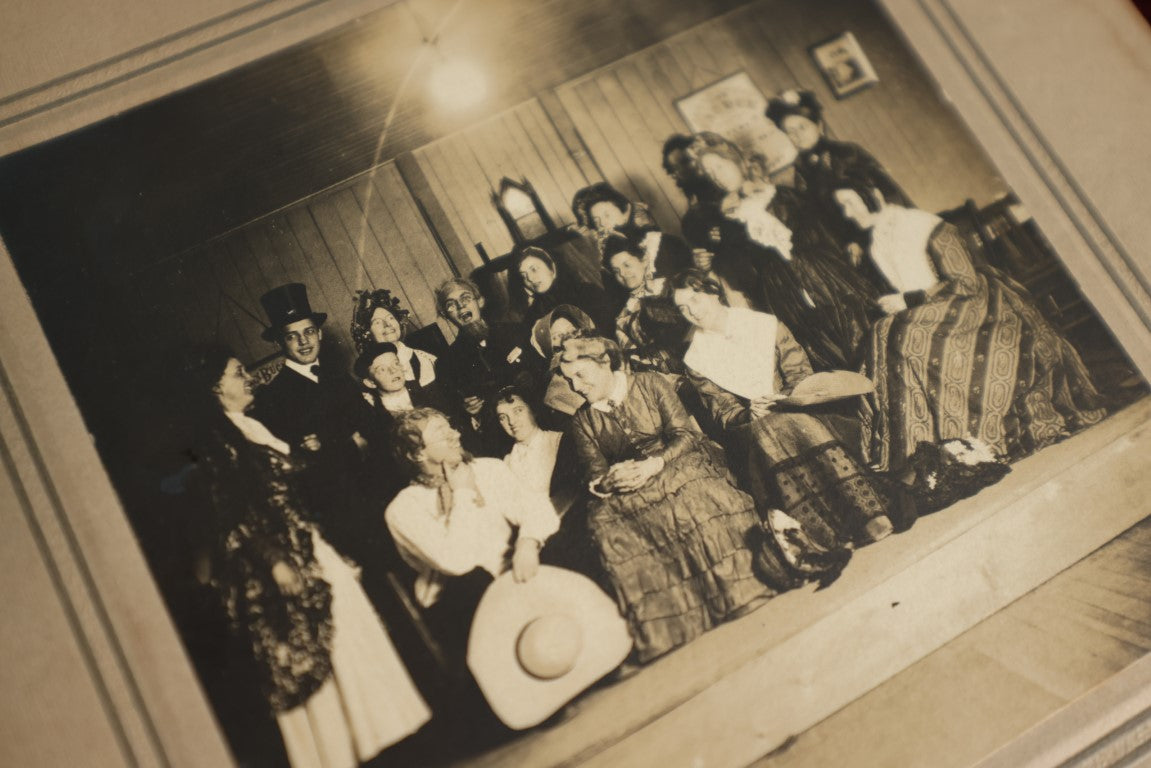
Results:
844 65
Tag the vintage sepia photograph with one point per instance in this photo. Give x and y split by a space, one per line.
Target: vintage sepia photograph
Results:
510 382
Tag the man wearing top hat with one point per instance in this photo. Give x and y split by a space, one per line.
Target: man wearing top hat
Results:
313 407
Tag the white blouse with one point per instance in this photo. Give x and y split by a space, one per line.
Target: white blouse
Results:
899 247
534 461
473 535
742 358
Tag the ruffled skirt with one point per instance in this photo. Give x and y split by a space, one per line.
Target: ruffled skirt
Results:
678 552
369 702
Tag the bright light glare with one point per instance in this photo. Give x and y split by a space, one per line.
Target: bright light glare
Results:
457 84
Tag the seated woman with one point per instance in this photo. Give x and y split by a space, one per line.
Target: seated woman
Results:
742 362
454 523
671 528
544 460
537 285
801 277
339 690
378 317
646 350
962 352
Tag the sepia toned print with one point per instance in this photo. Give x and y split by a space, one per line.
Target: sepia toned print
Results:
571 343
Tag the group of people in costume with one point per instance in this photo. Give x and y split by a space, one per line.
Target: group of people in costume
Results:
689 432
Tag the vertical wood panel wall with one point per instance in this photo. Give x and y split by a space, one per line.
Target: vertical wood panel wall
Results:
626 110
609 124
463 170
365 234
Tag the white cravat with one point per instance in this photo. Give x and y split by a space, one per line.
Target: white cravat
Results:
303 370
257 433
397 402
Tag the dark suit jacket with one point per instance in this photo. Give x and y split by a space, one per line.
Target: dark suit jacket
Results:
293 406
470 369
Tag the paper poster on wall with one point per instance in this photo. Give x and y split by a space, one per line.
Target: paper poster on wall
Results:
733 107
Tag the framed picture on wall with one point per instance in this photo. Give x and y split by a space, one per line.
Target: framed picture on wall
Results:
733 107
844 65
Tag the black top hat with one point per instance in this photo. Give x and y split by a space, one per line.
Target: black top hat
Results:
286 304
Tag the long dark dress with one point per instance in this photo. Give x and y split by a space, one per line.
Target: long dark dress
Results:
814 291
791 460
339 689
970 357
259 521
676 550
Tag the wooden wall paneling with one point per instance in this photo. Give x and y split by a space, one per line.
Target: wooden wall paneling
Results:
410 250
432 213
384 243
658 124
238 298
489 157
546 137
552 111
470 181
281 237
532 167
340 243
238 330
595 137
768 67
252 278
312 247
362 236
250 269
421 266
585 105
699 72
254 238
642 146
717 39
429 160
707 66
466 183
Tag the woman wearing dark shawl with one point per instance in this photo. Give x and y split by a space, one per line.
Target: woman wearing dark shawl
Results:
339 690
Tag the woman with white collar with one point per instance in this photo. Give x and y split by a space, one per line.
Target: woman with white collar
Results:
671 528
337 686
742 363
962 352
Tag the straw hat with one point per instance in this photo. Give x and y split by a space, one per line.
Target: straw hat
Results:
535 646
